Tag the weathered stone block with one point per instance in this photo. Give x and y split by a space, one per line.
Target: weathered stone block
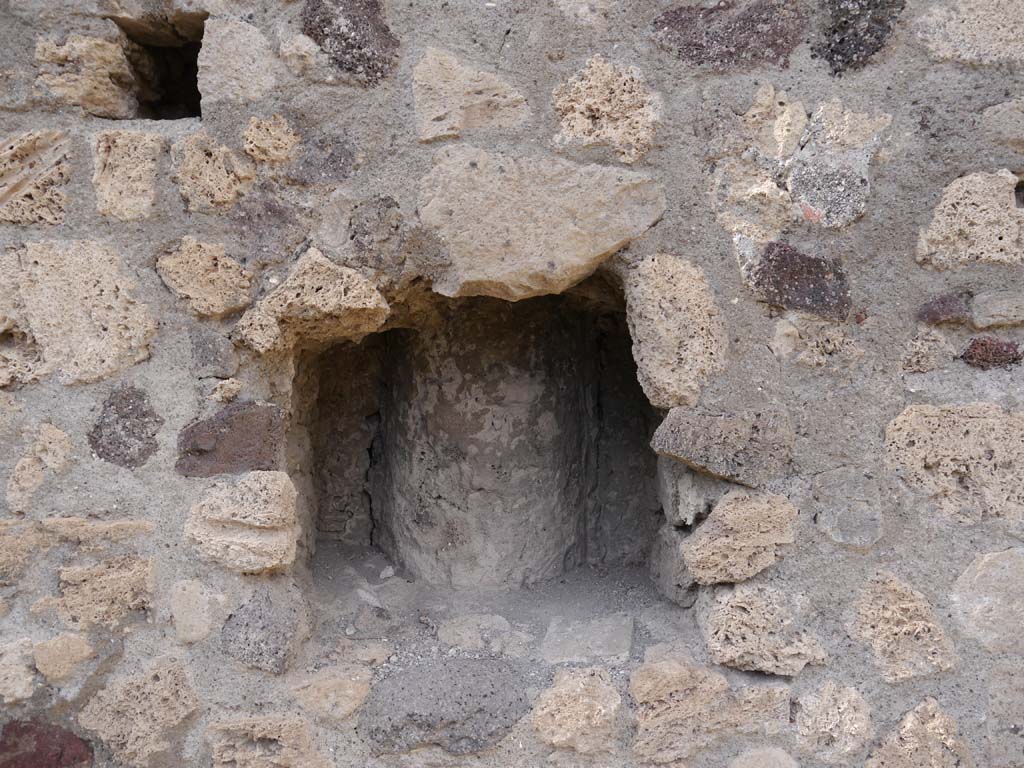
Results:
743 535
202 274
986 599
899 625
34 168
39 744
249 527
355 35
733 34
241 437
517 227
678 331
785 277
461 705
452 97
137 716
320 303
755 628
608 104
266 631
578 711
125 433
124 173
103 594
748 447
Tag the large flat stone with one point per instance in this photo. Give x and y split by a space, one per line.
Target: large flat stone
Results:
518 227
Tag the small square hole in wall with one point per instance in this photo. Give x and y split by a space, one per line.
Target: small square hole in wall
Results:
164 54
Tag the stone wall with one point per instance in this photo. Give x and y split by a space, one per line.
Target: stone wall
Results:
695 326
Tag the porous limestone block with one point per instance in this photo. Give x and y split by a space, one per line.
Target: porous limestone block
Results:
124 173
249 527
203 275
34 168
899 625
608 104
678 331
578 711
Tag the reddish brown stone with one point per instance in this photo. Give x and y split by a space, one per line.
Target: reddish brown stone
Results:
991 352
732 34
787 278
949 308
241 438
126 431
36 744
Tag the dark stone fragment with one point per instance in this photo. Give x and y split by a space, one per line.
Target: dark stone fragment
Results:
785 277
126 431
242 437
856 31
354 35
987 352
460 705
213 354
265 630
732 34
747 447
949 308
37 744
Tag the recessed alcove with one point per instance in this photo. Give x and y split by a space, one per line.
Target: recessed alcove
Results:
492 444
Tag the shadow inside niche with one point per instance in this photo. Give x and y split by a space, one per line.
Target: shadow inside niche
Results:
497 444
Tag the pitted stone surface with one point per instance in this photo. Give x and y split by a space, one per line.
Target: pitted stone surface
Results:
578 711
271 140
76 302
90 72
461 705
783 276
202 274
320 303
518 227
102 595
210 177
988 351
34 168
901 628
355 35
743 535
749 447
608 104
452 97
125 433
926 736
986 32
977 221
833 724
136 716
678 332
239 438
683 709
249 527
265 631
125 165
966 459
857 30
279 740
733 34
755 628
